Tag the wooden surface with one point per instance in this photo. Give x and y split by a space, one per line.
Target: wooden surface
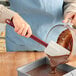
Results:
10 61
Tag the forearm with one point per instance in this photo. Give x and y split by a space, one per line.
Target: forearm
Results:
5 13
70 6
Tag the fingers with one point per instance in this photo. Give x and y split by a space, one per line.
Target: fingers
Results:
70 18
74 21
29 32
24 31
19 31
21 26
67 17
16 29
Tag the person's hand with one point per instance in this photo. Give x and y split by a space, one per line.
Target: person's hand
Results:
72 16
21 26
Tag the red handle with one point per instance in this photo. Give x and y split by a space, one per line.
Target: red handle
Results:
8 21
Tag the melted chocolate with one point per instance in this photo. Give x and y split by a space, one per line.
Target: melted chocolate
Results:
56 60
65 39
50 70
45 70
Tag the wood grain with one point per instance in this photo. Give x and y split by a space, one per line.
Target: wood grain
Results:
10 61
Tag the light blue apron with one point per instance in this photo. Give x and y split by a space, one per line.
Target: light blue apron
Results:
42 15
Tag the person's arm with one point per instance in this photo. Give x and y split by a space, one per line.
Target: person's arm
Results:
70 11
21 26
70 6
5 13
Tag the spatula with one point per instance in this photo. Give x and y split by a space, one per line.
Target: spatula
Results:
51 49
9 22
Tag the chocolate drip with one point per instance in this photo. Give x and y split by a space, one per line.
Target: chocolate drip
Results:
56 60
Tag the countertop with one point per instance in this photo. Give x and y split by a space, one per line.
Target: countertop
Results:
10 61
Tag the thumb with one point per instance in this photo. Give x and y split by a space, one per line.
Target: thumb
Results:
67 17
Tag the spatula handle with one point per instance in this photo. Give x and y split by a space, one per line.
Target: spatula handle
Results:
9 22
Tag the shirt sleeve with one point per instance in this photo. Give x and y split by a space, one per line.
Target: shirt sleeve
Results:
70 6
5 13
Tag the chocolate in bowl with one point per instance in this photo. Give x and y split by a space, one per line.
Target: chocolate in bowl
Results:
65 39
50 69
